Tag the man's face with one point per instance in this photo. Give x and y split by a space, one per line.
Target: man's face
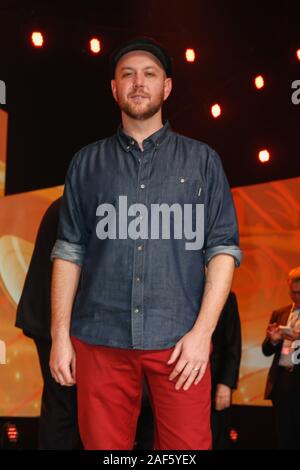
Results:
140 85
295 293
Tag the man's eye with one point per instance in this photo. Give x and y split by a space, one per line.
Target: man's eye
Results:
150 74
126 74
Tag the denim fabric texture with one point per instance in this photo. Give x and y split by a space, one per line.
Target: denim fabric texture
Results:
142 293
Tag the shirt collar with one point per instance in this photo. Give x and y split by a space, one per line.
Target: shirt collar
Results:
156 139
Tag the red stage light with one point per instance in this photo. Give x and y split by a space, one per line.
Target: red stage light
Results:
12 432
95 46
37 39
234 435
298 54
264 156
216 110
259 82
190 55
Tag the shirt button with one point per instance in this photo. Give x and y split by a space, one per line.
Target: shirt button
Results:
141 217
139 160
140 247
132 142
138 279
182 180
136 310
128 147
142 186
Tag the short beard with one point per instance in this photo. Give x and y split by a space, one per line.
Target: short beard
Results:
141 115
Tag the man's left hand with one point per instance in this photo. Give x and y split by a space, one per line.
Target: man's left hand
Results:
192 352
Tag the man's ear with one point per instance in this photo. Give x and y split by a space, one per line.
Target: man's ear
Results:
113 88
168 87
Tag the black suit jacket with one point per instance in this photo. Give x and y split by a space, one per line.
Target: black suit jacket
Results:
34 309
280 317
226 355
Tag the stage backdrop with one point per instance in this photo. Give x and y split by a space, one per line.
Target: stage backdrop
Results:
269 218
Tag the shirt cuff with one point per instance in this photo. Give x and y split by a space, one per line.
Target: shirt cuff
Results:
68 251
231 250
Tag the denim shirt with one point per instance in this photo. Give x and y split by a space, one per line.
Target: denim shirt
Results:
142 291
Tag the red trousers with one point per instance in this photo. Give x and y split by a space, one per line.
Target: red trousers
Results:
109 385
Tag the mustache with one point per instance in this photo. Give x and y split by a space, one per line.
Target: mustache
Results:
132 95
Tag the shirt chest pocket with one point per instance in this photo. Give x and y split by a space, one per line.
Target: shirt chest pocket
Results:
183 189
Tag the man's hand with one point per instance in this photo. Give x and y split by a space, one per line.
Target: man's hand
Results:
222 397
294 336
274 333
63 361
65 279
192 352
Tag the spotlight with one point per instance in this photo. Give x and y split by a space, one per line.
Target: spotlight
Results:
95 45
216 110
264 156
190 55
9 436
12 432
298 54
259 82
234 435
37 39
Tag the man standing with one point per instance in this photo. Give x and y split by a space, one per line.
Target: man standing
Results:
144 307
283 383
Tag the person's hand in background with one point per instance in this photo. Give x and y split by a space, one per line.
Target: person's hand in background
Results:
274 333
294 336
222 397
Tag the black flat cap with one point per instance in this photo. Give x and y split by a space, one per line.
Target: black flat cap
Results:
142 44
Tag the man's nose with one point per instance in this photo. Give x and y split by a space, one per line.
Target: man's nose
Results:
138 79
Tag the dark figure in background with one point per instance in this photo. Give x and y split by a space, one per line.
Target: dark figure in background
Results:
283 382
58 428
225 364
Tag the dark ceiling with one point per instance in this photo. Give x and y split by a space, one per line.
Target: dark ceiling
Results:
59 99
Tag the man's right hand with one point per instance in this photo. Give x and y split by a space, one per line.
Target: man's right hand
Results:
63 361
274 333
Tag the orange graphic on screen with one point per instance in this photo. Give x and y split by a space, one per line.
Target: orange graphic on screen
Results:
21 383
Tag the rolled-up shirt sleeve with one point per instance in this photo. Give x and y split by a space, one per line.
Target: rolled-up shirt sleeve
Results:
221 226
72 234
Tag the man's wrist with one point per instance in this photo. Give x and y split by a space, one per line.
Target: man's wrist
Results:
60 335
203 331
